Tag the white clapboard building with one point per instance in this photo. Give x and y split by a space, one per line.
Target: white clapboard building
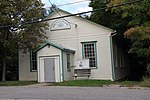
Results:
74 40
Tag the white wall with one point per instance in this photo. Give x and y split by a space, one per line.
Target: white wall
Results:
24 68
68 75
86 31
72 38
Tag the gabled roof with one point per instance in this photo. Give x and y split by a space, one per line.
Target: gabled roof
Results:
101 26
58 46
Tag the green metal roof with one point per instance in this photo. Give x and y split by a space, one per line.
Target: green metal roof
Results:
58 46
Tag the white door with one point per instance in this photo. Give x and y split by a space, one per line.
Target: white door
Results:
49 70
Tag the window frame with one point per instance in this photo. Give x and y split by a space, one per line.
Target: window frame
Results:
95 52
31 61
68 62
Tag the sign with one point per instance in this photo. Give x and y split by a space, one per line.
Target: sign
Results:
82 64
60 24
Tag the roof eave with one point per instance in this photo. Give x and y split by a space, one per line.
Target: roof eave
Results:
58 47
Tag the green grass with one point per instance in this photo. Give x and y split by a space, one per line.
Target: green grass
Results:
128 83
83 83
17 83
100 83
145 82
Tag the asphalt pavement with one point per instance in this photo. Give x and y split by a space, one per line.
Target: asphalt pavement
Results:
73 93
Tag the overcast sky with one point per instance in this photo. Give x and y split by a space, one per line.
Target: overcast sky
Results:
73 8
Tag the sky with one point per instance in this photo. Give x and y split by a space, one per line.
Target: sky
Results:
73 8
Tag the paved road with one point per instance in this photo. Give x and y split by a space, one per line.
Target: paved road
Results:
72 93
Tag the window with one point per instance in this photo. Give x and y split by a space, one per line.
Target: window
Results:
89 52
33 61
68 62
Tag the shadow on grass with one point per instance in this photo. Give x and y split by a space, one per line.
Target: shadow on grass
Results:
17 83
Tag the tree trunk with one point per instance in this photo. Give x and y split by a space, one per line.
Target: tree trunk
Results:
4 66
4 53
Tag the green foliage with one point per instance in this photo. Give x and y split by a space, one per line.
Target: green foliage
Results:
17 35
131 21
101 17
139 33
138 28
139 12
108 17
17 12
140 38
148 69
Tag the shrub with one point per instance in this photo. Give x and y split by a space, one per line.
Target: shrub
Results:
148 70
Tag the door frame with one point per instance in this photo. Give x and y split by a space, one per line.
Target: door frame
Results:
41 71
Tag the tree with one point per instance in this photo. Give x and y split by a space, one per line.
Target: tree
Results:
17 35
108 17
100 16
138 31
132 23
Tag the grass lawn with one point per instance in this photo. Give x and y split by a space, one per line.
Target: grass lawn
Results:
83 83
17 83
100 83
145 82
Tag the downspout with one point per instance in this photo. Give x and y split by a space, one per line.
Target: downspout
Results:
62 58
38 67
112 56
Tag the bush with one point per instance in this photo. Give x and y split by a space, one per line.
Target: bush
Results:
148 70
